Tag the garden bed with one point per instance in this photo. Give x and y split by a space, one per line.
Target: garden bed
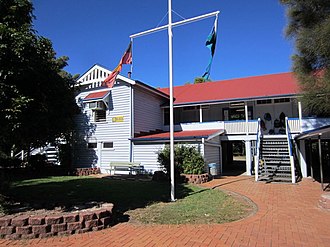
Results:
196 178
46 223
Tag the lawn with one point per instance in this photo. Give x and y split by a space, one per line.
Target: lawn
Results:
144 201
200 206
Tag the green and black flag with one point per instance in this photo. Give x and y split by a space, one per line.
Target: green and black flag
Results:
210 43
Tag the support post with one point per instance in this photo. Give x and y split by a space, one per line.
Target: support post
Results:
311 158
300 115
248 157
320 158
302 158
246 118
170 68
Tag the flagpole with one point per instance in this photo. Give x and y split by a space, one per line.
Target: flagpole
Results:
170 54
170 72
131 70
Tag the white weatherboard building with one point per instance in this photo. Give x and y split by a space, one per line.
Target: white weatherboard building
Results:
129 123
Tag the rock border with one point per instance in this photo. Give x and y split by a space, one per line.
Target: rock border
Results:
197 178
41 226
86 171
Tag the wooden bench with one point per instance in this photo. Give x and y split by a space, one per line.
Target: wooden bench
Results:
131 167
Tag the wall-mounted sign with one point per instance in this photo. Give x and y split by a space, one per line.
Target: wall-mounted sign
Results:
118 119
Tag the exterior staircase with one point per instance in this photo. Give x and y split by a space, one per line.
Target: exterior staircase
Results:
274 164
50 151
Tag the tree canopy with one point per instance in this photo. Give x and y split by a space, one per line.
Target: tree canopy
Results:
309 26
36 95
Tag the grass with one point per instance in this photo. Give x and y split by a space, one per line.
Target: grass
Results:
144 201
202 206
68 191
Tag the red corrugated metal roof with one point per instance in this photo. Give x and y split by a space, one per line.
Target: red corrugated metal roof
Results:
97 95
273 85
179 135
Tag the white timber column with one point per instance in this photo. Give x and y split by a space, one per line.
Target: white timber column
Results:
300 114
99 146
248 157
302 158
200 114
247 142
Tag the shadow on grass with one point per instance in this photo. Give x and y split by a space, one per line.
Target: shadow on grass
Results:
66 192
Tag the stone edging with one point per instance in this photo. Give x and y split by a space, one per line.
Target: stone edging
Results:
28 227
197 178
86 171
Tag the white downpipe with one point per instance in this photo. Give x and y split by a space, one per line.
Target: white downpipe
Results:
200 114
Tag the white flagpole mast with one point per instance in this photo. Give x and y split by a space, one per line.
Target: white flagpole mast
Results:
170 68
170 72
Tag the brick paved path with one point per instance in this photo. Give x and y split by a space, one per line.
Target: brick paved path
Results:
288 215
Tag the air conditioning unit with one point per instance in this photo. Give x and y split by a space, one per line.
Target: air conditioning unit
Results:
97 105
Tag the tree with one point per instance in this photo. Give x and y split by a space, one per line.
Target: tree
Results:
198 80
37 98
309 26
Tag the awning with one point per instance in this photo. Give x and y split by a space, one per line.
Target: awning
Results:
313 133
96 96
184 135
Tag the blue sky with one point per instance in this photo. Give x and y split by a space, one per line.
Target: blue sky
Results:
250 37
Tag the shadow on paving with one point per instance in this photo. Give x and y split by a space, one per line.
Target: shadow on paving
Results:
70 193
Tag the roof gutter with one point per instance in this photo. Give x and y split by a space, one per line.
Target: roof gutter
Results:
214 102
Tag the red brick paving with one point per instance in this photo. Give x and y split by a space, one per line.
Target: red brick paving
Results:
288 215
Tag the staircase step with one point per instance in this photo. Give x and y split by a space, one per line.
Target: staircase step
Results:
275 149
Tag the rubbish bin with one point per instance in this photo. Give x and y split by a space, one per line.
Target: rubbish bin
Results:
213 169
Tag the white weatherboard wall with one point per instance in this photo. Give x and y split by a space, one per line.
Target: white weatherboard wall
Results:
147 155
147 111
212 150
108 131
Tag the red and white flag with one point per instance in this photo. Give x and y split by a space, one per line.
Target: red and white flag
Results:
126 59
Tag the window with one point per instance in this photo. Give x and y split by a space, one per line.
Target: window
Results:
281 100
190 108
92 145
107 144
100 115
264 101
166 116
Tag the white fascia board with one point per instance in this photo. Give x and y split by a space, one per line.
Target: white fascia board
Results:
216 134
96 66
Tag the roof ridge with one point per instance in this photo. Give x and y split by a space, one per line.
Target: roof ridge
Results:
231 79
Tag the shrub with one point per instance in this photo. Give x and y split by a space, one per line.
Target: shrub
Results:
186 160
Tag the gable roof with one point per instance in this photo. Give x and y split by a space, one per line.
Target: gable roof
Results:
97 73
274 85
